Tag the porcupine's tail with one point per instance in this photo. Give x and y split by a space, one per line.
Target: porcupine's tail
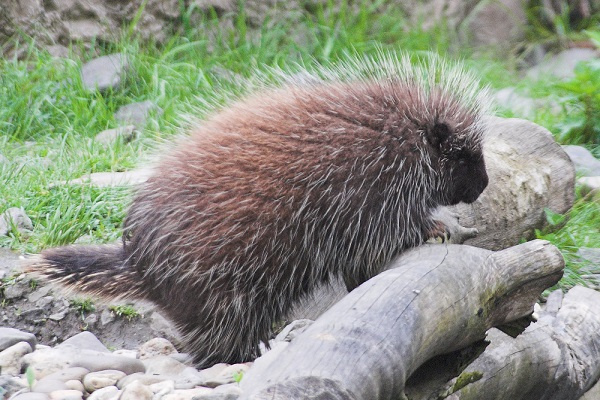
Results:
101 271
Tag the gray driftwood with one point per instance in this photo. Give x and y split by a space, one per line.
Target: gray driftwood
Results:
435 299
556 358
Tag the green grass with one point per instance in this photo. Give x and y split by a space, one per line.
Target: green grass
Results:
48 119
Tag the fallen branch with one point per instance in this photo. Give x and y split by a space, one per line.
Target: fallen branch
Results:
434 299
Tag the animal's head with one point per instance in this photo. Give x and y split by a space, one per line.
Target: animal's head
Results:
457 146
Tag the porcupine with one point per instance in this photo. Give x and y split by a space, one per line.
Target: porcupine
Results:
284 189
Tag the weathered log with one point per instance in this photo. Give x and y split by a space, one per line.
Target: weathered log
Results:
556 358
436 299
528 172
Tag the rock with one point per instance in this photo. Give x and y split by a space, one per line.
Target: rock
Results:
126 353
125 134
553 302
494 25
228 375
589 183
585 162
137 113
228 392
11 336
68 374
155 347
162 388
84 340
11 359
190 394
48 385
59 315
107 317
589 254
31 396
66 395
562 65
101 362
105 179
190 377
136 391
104 72
511 100
75 385
47 361
105 393
163 365
10 385
100 379
17 217
145 379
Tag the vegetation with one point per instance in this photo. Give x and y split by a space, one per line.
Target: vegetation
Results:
48 119
125 311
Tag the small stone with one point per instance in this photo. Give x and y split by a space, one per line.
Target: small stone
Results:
589 254
11 359
58 51
91 319
126 353
11 336
125 134
562 65
100 361
98 380
44 301
554 302
136 391
11 385
106 317
137 113
228 375
155 347
17 217
58 316
31 396
105 393
510 99
66 395
144 379
230 391
189 394
38 294
589 183
69 374
162 388
163 365
190 377
48 385
104 72
75 385
84 340
585 162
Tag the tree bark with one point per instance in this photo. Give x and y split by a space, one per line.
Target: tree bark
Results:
434 300
556 358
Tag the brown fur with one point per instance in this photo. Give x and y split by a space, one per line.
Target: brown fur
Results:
278 193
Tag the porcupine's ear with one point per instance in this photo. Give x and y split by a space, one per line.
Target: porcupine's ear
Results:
438 134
